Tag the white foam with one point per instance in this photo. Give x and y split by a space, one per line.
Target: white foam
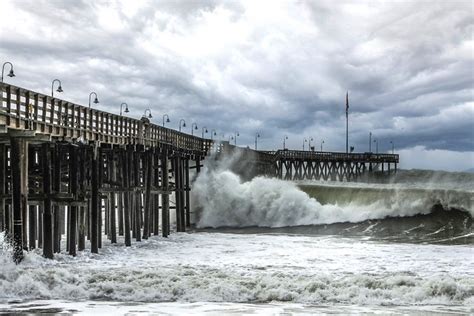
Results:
248 268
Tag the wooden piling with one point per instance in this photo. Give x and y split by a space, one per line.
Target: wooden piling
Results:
187 191
94 210
72 208
127 158
47 210
17 154
148 177
56 183
165 202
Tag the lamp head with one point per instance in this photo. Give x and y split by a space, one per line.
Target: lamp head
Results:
11 73
149 115
184 124
126 109
205 131
215 133
96 100
60 89
196 127
168 120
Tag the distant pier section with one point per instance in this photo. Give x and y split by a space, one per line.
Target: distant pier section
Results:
311 165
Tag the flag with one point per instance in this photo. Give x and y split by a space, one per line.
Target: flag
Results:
347 102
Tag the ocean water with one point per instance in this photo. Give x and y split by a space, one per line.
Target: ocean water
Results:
269 247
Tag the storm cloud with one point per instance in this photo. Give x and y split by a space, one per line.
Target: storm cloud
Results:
273 67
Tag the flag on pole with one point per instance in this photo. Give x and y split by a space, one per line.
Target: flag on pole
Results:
347 102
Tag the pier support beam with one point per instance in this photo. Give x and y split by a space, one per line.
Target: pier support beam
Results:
47 208
165 198
19 156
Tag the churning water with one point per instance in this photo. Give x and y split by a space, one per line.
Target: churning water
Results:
267 246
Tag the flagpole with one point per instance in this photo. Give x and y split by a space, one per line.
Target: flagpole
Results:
347 122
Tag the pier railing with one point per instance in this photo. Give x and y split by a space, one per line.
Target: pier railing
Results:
353 157
24 109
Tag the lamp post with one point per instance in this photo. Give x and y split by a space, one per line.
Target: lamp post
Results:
204 130
195 128
149 114
393 147
60 89
284 141
257 136
235 138
309 142
376 146
11 73
96 100
213 133
370 142
183 124
304 141
322 142
167 119
121 108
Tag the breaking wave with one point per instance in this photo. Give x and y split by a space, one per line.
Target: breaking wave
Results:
224 200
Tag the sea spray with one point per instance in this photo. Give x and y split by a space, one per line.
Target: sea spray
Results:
223 199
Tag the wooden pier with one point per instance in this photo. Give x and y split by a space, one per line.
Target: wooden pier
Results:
74 170
70 171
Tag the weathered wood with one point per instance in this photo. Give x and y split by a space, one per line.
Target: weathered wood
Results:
32 227
18 154
112 201
165 202
73 189
94 210
47 210
187 189
4 214
148 174
57 163
127 158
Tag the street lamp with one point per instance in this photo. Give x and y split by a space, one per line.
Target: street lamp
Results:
126 108
376 146
149 114
167 119
304 141
213 133
60 89
322 142
257 136
195 128
393 146
370 142
309 143
11 73
284 141
95 99
183 124
235 138
204 130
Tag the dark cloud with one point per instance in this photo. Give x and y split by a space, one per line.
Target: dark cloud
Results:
277 68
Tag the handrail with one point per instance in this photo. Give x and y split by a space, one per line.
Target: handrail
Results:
25 109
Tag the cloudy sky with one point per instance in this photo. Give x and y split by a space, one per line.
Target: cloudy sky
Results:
273 67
